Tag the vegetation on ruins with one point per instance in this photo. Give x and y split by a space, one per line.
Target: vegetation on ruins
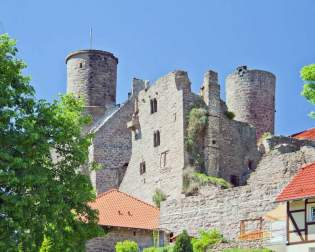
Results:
126 246
183 243
192 181
197 122
308 75
230 115
43 201
206 240
158 197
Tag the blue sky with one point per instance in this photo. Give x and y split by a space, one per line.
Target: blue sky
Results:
152 38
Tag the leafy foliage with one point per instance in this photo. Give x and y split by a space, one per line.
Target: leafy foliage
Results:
126 246
308 75
41 197
230 115
206 240
197 122
158 197
183 243
160 249
192 181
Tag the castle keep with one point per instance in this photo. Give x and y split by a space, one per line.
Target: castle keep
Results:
141 144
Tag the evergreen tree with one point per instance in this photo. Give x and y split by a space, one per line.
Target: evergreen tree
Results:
183 243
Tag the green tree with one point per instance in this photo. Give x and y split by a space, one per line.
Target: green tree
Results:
308 75
40 196
183 243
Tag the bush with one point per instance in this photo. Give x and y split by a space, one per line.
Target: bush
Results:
126 246
204 179
183 243
161 249
230 115
197 122
158 197
206 240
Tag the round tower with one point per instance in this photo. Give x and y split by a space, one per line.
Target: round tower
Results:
92 75
250 95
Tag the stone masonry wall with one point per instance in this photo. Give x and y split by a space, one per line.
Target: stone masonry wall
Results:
223 209
238 150
164 163
250 94
112 148
144 238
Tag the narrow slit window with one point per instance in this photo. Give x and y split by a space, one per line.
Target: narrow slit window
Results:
80 65
142 168
156 138
153 105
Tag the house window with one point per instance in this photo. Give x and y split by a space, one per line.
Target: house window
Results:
142 168
234 180
153 105
311 212
156 138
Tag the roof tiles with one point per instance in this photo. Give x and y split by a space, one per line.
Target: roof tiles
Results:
301 186
307 134
119 209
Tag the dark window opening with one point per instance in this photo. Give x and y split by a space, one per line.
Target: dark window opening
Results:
153 104
142 168
80 65
214 141
250 165
235 180
134 233
156 138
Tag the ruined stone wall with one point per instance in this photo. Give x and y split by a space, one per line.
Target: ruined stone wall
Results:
164 163
238 150
223 209
250 94
112 147
144 239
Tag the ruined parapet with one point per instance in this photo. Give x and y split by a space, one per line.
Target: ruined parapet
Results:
250 95
92 75
283 144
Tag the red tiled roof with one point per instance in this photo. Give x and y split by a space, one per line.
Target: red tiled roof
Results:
307 134
119 209
301 186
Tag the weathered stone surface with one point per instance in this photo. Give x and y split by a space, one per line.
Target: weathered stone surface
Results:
223 209
250 94
144 238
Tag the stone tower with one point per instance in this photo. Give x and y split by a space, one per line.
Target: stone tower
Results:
250 95
211 96
92 74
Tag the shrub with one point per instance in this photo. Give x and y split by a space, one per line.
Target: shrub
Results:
183 243
158 197
161 249
204 179
206 240
197 122
230 115
126 246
